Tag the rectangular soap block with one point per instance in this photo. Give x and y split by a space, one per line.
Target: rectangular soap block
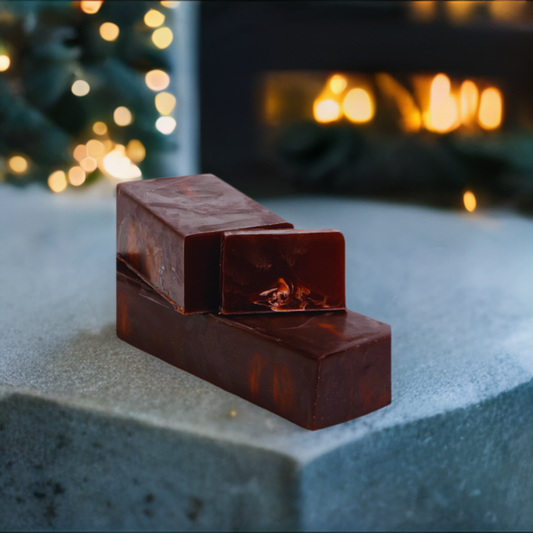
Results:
314 369
169 231
282 270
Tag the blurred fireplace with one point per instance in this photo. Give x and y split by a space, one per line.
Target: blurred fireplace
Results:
345 97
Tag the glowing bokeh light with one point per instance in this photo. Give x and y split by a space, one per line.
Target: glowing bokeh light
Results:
162 37
443 109
154 18
136 151
80 88
157 80
80 152
89 164
165 103
18 164
171 4
490 109
357 106
469 201
76 176
469 100
95 149
57 181
122 116
91 6
109 31
337 83
165 125
100 128
4 62
326 110
117 165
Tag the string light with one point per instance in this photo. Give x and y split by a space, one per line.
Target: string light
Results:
165 125
157 80
162 37
122 116
4 62
170 4
57 181
357 106
80 88
136 150
76 176
117 165
99 128
470 201
326 110
91 6
18 164
109 31
88 164
165 103
154 18
108 145
80 152
95 149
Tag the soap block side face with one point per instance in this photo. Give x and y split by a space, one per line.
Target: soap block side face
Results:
266 271
354 383
152 249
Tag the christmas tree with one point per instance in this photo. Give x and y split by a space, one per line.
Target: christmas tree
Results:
84 90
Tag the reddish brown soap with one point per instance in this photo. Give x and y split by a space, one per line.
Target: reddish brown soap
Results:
282 270
168 230
314 369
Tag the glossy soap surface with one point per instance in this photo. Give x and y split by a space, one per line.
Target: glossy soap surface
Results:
314 369
168 231
282 270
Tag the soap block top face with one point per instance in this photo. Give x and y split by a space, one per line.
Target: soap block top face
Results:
266 271
169 230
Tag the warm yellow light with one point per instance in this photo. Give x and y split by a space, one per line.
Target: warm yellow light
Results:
136 151
4 62
99 128
490 109
108 145
443 109
154 18
460 11
469 99
411 118
76 176
80 88
57 181
95 149
88 164
165 125
80 152
326 110
165 103
506 11
357 106
117 165
18 164
170 4
337 83
162 37
157 80
424 11
122 116
91 6
470 201
109 31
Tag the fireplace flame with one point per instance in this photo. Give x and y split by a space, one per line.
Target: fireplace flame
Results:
443 113
326 110
357 106
490 109
469 101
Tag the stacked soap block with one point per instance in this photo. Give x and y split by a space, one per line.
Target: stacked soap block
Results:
214 283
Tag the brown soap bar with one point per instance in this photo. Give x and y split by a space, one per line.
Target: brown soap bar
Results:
282 270
168 230
315 369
